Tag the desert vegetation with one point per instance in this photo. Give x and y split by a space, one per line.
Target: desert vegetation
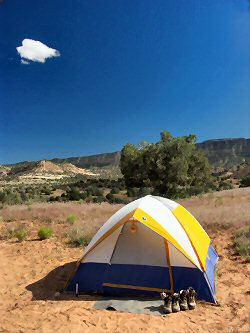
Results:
45 233
19 232
225 209
245 182
172 167
242 242
79 189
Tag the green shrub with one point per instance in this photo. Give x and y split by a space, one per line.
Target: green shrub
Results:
10 197
109 196
145 191
45 233
114 200
19 232
74 194
115 190
71 218
78 237
46 191
225 186
95 191
99 199
242 242
245 182
133 192
21 235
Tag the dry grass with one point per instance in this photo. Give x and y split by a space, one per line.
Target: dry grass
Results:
90 216
226 209
242 242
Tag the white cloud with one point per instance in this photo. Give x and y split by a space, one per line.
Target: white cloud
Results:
36 51
24 62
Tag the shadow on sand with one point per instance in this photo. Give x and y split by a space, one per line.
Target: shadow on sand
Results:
55 281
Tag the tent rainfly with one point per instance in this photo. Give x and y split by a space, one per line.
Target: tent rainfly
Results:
150 245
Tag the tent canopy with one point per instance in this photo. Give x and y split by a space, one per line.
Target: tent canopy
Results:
151 245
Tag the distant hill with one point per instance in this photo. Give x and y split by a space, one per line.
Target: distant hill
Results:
225 153
220 152
41 171
98 161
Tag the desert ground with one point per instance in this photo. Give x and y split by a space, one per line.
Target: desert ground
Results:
33 271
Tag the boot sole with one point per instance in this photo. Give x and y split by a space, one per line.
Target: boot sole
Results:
191 307
184 308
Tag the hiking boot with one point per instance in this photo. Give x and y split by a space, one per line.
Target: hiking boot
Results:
183 300
175 302
167 298
191 298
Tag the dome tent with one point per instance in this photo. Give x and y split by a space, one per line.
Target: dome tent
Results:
150 245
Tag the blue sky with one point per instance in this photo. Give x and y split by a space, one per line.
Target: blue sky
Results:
127 70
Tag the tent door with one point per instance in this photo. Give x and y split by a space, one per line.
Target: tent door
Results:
139 263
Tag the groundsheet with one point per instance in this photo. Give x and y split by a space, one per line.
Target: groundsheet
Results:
146 306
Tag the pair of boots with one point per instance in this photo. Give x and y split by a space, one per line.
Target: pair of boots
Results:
185 300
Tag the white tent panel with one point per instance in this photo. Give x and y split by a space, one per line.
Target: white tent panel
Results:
112 221
164 216
170 204
142 247
103 251
178 259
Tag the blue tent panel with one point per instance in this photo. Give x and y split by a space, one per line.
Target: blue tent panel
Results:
211 261
91 278
185 277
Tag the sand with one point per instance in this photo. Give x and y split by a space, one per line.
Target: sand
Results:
31 272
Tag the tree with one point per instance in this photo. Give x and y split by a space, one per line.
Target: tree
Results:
171 167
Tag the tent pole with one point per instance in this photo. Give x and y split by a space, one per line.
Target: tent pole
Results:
169 265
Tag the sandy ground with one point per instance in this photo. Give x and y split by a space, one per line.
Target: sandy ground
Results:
31 272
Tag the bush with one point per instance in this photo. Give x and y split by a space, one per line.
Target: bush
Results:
95 191
115 190
10 197
225 186
19 232
21 235
245 182
242 243
46 191
53 199
109 196
99 199
119 201
145 191
133 192
74 194
78 237
113 200
45 233
71 218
